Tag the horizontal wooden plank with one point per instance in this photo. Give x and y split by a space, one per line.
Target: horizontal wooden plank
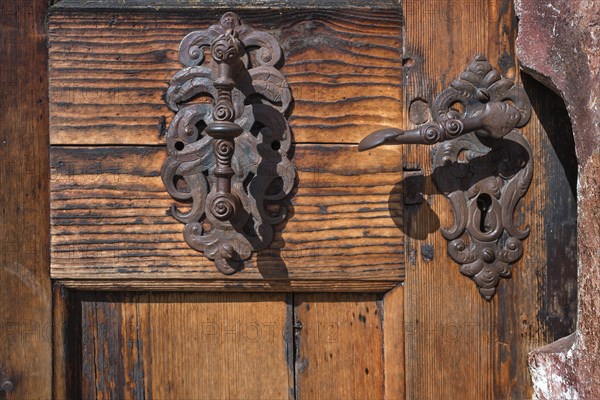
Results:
109 71
229 4
109 221
220 285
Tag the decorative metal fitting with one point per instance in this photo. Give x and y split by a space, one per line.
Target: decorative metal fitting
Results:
6 383
229 161
484 166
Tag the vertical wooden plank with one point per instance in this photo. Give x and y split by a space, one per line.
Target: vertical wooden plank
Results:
457 344
339 346
66 353
236 347
132 349
26 296
186 345
449 327
393 344
104 324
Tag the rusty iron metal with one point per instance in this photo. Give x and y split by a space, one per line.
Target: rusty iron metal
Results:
6 383
495 120
229 162
482 164
226 51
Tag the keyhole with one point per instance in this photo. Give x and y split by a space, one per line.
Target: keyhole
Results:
484 202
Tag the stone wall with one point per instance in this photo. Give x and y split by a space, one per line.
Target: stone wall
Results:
559 44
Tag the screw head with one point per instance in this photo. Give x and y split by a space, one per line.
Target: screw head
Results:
483 95
488 255
7 386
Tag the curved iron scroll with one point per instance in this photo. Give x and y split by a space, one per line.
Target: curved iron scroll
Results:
228 158
483 165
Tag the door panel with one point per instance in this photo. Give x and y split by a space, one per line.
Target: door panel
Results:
358 218
229 345
110 225
186 345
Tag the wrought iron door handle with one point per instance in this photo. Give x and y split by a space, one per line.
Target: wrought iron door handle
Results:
228 157
495 120
226 51
484 166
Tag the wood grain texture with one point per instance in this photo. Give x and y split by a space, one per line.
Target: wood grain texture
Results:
457 344
235 346
219 285
186 346
109 71
228 5
339 346
66 341
25 296
393 344
109 221
449 329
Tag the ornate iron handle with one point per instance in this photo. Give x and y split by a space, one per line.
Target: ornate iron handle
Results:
495 120
228 161
484 166
226 51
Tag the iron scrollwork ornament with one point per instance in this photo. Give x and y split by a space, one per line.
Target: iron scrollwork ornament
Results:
482 164
228 158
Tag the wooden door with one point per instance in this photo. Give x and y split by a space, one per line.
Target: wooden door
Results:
357 297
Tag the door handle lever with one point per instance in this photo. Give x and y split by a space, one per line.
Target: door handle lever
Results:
482 164
495 120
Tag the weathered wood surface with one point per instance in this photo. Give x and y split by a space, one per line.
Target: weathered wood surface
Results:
186 346
66 343
393 344
25 295
109 71
457 344
339 346
231 345
179 5
109 220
